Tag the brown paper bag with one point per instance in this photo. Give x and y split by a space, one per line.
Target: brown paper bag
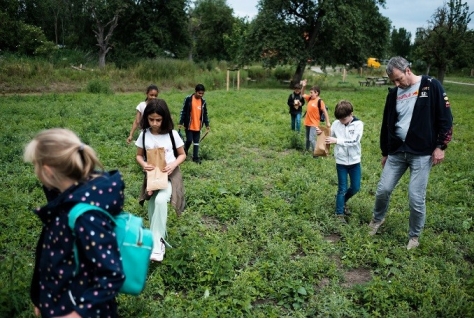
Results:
322 149
156 157
156 179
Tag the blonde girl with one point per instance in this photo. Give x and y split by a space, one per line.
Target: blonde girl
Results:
67 169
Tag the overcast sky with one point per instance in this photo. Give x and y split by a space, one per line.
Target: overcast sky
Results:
408 14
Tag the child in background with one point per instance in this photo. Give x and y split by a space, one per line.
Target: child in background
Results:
193 117
67 169
151 93
346 133
157 126
295 103
312 119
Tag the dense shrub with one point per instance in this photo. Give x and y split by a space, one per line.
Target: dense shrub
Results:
99 86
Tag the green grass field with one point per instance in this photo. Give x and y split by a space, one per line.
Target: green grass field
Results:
258 237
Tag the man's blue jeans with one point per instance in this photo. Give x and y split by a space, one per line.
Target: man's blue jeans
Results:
395 166
343 193
296 122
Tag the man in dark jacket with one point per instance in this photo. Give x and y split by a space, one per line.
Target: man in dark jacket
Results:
416 129
193 117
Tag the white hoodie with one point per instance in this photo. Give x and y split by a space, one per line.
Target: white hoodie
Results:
348 149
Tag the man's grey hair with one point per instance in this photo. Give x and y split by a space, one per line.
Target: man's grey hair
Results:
397 63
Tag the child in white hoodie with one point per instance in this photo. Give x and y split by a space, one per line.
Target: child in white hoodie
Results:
346 133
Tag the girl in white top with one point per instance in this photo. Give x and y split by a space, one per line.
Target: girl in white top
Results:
151 93
157 126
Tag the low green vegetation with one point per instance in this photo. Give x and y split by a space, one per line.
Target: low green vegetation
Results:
71 71
258 237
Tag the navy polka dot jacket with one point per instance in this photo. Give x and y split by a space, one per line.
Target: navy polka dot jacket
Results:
56 289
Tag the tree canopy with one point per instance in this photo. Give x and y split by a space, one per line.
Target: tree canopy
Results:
326 32
444 41
400 43
295 32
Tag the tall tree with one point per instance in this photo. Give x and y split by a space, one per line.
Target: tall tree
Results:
150 29
57 9
443 41
213 19
106 15
400 43
20 34
327 32
234 43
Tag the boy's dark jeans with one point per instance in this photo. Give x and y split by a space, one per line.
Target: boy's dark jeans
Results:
192 137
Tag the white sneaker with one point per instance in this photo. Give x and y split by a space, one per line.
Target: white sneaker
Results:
158 255
163 247
412 243
374 226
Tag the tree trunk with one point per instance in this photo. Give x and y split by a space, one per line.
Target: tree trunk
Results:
102 58
441 73
298 74
428 69
103 41
56 29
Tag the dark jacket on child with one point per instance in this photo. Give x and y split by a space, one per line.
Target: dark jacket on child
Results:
55 288
291 103
185 115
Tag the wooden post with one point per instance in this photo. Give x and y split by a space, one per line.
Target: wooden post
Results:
238 79
233 82
344 75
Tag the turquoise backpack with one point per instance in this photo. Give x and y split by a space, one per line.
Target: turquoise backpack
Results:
134 241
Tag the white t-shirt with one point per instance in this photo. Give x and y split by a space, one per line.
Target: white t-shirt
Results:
160 140
141 107
406 99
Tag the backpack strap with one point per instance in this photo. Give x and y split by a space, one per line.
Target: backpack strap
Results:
77 211
175 151
144 149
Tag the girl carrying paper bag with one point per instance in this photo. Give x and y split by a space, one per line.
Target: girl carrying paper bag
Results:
156 179
160 151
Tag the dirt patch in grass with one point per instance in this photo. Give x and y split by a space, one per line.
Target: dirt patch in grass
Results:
351 277
333 238
213 223
356 276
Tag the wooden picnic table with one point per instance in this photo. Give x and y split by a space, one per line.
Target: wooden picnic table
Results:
371 80
375 80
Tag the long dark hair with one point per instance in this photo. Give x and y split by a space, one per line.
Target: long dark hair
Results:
159 107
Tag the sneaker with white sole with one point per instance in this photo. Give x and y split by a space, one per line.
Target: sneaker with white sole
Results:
158 255
412 243
341 218
374 226
346 210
